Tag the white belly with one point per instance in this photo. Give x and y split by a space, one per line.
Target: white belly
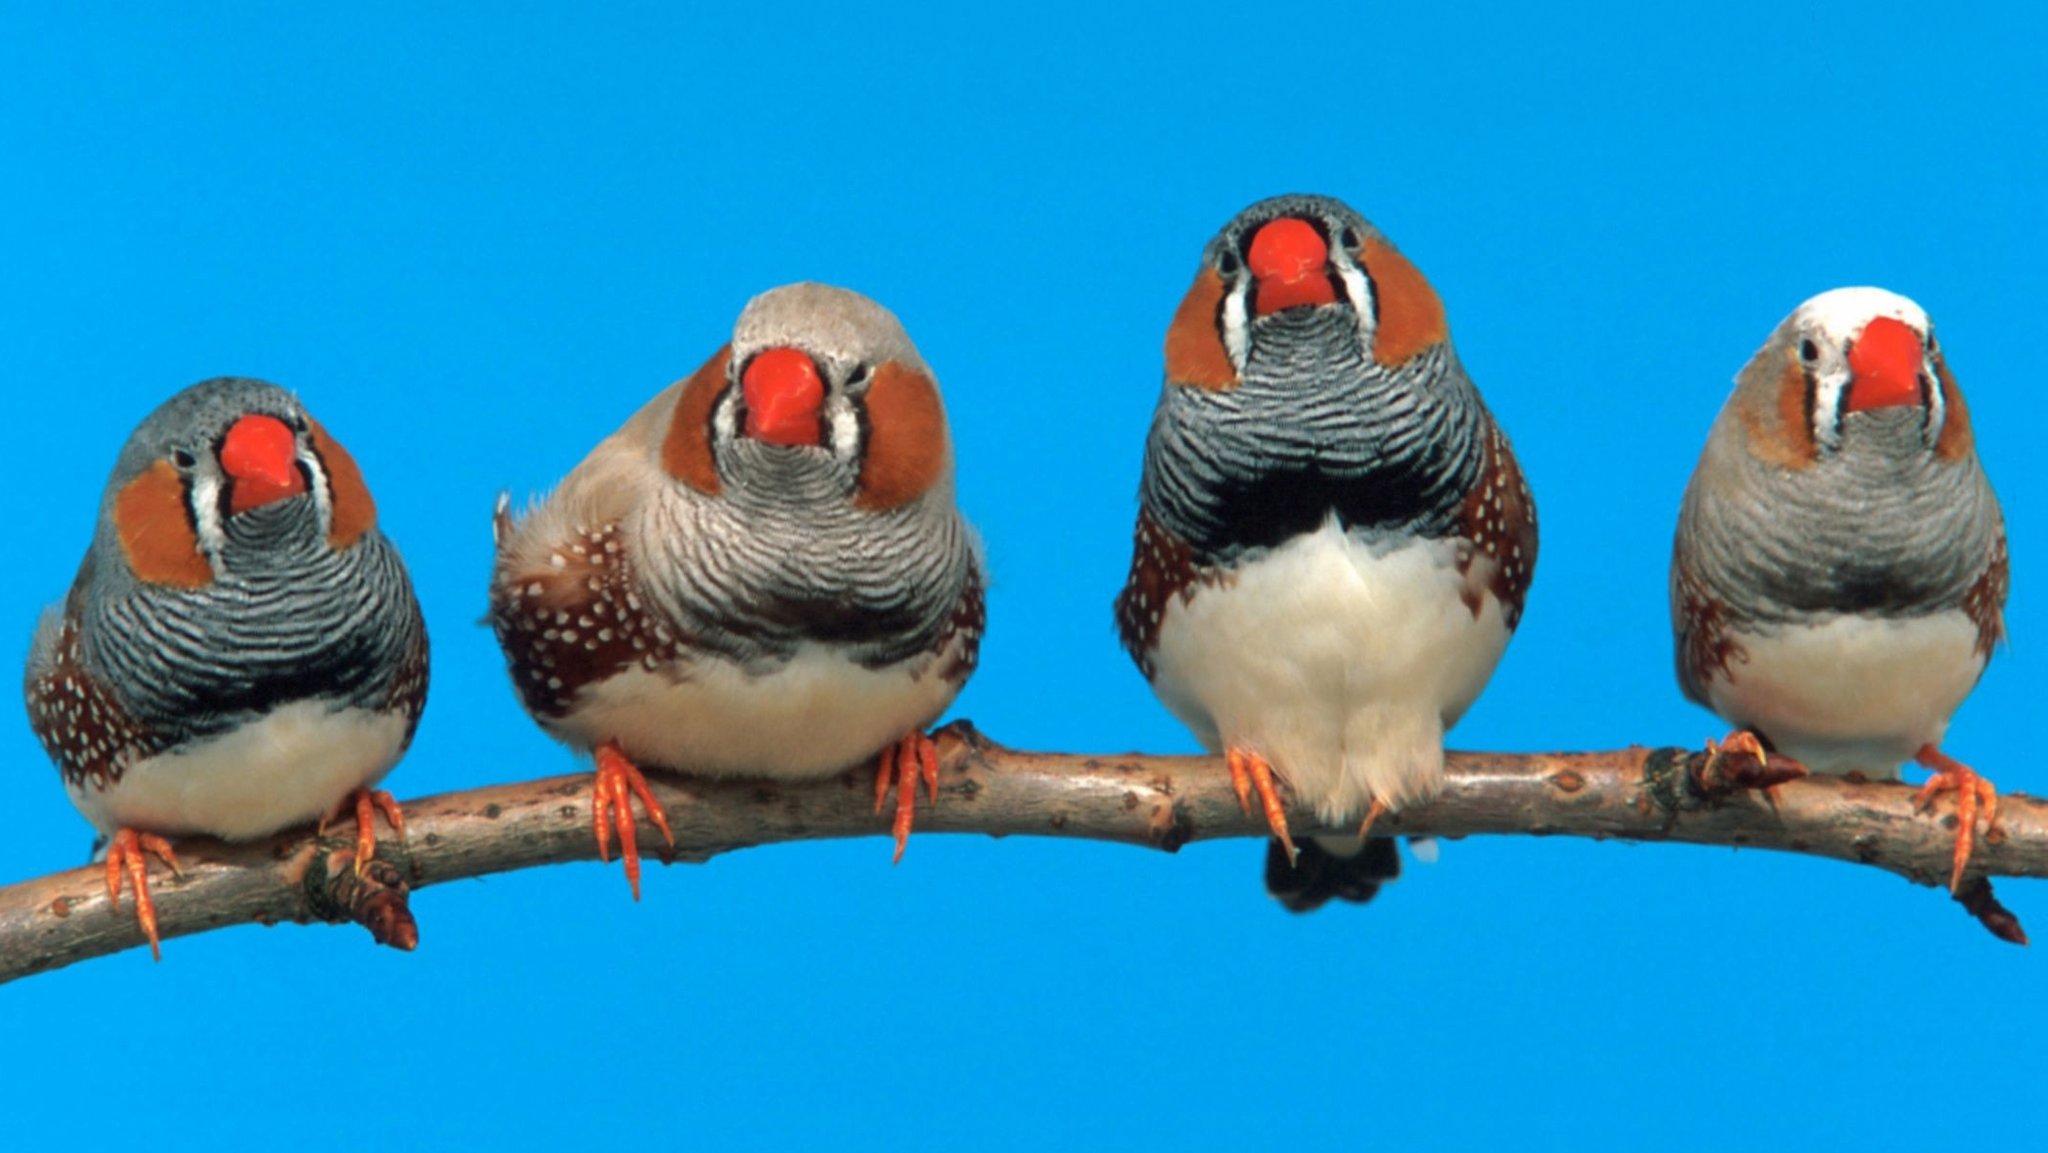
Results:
291 767
1855 692
810 718
1342 668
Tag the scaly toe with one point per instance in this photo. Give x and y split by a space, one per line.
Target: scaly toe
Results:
903 763
1250 772
618 782
128 854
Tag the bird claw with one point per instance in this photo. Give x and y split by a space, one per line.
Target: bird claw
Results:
1741 763
618 782
1375 812
128 854
367 803
1975 799
1249 771
905 762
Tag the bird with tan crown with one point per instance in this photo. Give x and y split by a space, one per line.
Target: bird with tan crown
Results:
763 573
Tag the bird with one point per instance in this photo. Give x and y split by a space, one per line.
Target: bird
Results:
1839 570
241 651
1334 538
763 573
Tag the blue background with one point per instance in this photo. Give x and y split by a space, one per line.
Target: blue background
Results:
475 242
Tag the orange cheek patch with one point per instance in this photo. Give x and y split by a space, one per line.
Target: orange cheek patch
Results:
354 512
1782 434
906 439
1957 439
1778 429
1194 347
686 450
156 533
1411 316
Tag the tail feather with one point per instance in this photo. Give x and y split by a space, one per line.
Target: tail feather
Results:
1330 868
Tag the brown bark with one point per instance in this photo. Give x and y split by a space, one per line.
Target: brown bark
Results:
1162 802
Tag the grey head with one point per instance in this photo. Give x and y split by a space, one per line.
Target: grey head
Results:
224 475
1301 265
1309 373
236 563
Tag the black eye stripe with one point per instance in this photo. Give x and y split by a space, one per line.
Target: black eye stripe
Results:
1813 397
313 466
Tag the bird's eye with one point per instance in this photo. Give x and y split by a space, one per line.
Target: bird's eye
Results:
1808 350
1349 239
183 459
858 378
1227 263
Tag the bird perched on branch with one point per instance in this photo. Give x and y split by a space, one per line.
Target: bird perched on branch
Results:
763 573
241 651
1839 576
1334 539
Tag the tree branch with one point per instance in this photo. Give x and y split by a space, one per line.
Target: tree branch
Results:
1161 802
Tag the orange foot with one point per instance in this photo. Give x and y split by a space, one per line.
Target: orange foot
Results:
1249 770
905 762
367 803
1740 762
1374 812
1974 798
611 807
126 854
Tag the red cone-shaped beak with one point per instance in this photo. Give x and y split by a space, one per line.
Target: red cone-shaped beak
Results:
1292 263
261 455
1885 362
783 392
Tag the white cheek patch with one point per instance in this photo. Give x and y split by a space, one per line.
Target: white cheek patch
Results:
1359 290
206 515
1937 404
323 493
725 418
1829 389
844 426
1237 325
